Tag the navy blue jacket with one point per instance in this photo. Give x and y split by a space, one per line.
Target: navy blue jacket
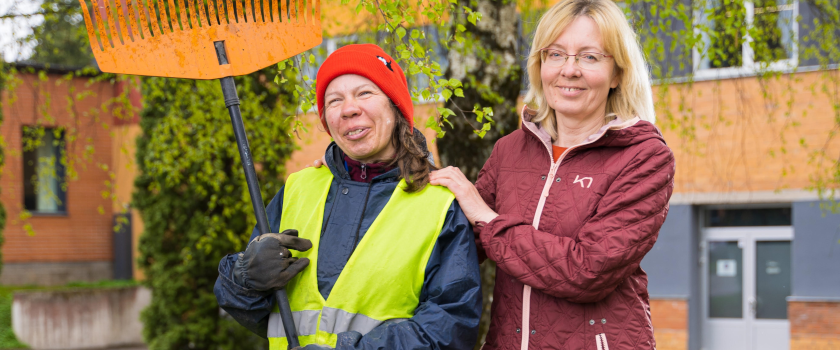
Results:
450 300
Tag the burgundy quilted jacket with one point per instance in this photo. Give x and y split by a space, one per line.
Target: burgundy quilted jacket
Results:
574 281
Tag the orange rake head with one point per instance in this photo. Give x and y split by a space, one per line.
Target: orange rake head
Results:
160 38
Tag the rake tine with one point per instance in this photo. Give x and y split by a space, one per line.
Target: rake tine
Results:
211 12
220 11
98 9
182 15
131 26
122 21
173 16
230 12
202 14
151 18
112 28
300 12
241 13
145 27
89 26
282 11
317 9
248 12
159 16
191 13
266 12
234 10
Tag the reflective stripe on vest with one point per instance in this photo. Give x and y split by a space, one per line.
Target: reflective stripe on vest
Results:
333 321
382 279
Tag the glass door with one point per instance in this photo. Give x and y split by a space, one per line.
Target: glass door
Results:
746 280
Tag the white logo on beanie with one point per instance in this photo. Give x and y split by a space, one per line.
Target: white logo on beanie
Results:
385 62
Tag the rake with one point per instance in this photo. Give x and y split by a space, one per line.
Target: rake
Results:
206 39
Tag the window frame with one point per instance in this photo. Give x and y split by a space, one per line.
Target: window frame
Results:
62 206
748 66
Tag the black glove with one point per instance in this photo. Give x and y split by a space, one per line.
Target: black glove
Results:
267 264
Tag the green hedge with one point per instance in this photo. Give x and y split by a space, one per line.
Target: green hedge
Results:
194 200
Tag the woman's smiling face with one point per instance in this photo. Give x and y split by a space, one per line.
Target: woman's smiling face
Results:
360 118
573 92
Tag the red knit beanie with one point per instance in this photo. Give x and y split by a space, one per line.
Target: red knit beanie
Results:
369 61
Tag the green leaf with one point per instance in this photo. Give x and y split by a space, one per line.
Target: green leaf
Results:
419 52
459 92
446 94
460 28
431 122
415 33
400 32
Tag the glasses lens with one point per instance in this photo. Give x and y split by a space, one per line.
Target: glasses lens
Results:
554 57
589 60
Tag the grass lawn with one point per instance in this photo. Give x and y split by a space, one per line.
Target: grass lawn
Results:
7 337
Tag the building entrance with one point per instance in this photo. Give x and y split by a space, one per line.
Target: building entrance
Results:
746 278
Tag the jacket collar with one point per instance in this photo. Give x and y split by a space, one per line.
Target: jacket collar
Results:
615 123
335 161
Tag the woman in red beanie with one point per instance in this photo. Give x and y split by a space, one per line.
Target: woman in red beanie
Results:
380 259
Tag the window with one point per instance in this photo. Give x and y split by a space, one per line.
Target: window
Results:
729 217
741 37
44 186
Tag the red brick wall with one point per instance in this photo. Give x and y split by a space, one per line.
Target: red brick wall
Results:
670 323
814 325
84 234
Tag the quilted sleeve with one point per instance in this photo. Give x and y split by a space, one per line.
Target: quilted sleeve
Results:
486 186
609 247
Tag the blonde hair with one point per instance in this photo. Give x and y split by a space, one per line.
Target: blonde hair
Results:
632 97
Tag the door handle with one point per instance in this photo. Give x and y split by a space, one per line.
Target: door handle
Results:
752 303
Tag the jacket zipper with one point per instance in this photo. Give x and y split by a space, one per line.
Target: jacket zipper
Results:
601 341
359 227
364 171
526 290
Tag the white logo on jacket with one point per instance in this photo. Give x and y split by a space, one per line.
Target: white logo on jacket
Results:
580 180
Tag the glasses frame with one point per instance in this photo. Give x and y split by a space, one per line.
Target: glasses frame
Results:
576 56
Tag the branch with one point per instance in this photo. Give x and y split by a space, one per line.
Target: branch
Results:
67 9
27 15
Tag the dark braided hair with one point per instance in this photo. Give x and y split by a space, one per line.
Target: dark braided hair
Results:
411 155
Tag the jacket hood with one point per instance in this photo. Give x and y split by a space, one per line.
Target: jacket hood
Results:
616 133
335 160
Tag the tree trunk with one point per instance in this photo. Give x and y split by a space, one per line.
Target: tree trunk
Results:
488 65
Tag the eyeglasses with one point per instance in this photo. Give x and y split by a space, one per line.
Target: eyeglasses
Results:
585 60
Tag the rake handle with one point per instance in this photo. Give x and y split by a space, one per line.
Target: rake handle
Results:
232 104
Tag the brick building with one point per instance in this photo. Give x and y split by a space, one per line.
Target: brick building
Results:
746 259
68 234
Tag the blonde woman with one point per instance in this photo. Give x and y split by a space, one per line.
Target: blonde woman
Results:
568 205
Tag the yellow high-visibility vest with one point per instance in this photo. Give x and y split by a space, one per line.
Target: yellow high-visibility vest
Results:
384 275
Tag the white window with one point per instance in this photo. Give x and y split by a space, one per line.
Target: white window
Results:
741 37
